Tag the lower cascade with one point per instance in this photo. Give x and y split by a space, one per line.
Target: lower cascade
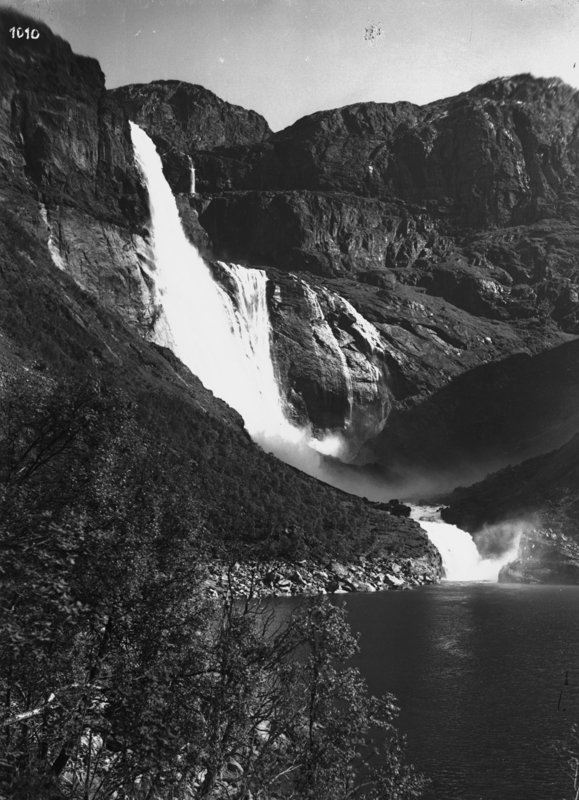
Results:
460 557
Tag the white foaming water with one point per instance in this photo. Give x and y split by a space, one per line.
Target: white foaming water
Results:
365 328
325 333
224 342
52 246
192 189
460 558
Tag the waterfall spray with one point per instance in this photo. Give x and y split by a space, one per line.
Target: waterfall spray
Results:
460 557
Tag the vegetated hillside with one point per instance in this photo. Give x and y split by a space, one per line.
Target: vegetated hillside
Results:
539 498
70 195
453 227
543 488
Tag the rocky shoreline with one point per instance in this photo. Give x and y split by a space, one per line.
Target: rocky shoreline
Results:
285 579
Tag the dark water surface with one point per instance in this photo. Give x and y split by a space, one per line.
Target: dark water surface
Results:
479 673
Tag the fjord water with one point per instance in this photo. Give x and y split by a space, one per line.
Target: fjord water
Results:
479 670
479 673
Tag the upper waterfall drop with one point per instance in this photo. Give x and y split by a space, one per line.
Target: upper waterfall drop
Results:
222 336
225 344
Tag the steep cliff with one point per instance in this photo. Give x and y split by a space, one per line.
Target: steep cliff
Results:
182 119
66 144
502 154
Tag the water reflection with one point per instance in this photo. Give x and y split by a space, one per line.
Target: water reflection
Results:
479 671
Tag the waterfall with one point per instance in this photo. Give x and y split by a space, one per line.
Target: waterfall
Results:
460 558
366 330
325 334
52 245
223 336
221 331
192 168
224 341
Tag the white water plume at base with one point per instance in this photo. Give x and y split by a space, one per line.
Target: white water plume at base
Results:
224 341
461 558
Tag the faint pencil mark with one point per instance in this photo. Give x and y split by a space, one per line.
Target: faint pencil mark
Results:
373 32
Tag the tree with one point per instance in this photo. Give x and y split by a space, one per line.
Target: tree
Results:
119 677
566 752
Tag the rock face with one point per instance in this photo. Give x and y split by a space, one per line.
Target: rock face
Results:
182 118
65 142
544 557
502 154
329 359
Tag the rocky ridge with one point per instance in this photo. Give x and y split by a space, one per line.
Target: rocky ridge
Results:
182 119
501 154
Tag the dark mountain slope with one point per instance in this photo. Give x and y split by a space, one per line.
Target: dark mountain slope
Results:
498 413
546 484
471 321
504 153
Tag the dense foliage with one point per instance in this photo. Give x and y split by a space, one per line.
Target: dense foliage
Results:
118 677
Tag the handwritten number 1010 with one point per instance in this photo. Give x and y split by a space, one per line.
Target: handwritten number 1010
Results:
20 33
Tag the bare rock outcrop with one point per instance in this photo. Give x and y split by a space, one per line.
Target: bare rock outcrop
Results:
183 118
501 154
66 143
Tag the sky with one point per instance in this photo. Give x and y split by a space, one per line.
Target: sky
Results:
289 58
